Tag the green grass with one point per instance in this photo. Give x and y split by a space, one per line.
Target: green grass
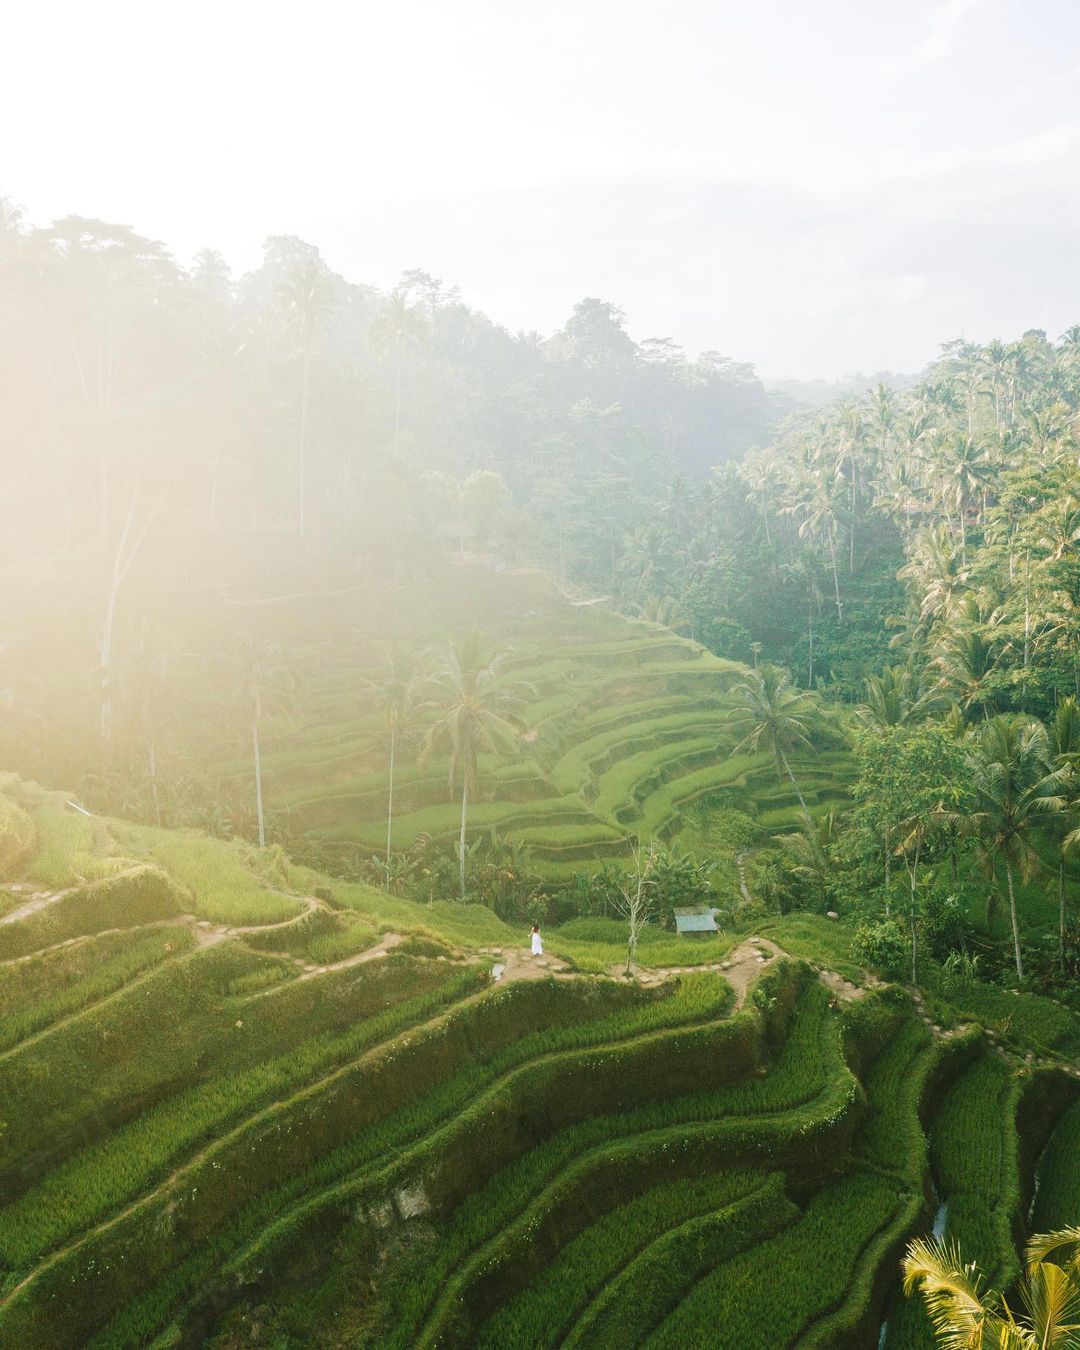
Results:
607 1254
818 1256
595 945
71 848
632 1268
825 942
337 1114
604 1155
626 733
137 896
973 1148
38 992
18 837
133 1157
1057 1203
1022 1019
218 875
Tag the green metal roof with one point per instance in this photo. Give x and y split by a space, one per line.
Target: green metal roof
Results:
695 921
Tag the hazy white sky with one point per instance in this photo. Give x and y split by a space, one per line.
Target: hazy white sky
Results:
817 186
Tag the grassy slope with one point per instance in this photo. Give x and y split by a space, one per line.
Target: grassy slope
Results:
626 732
232 1119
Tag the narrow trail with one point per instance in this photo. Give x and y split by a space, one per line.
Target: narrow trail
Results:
38 901
206 932
176 921
515 963
740 865
742 965
383 947
94 1006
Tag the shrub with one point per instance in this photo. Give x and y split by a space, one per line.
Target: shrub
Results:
883 946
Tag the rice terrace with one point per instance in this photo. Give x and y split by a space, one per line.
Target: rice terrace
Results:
515 833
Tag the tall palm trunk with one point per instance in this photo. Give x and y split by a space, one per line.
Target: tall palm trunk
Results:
1015 922
1061 904
810 619
258 782
461 838
795 786
888 872
390 807
120 563
854 501
835 575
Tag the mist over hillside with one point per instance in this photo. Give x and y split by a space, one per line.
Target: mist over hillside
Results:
518 829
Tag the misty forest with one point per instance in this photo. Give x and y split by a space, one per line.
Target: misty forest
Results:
524 840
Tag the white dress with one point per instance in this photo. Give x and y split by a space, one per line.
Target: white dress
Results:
537 945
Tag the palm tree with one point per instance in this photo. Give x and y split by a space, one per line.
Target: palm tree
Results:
475 711
852 431
968 656
968 1315
773 715
396 700
1060 527
1016 796
759 471
1064 738
398 326
665 611
935 572
810 852
818 508
893 699
964 472
307 298
262 683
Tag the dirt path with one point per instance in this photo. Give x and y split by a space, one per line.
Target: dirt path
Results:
741 967
740 865
513 963
207 933
383 947
38 901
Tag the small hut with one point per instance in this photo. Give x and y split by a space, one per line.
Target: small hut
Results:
696 922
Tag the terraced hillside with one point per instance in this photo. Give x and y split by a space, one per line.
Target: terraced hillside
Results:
625 738
245 1106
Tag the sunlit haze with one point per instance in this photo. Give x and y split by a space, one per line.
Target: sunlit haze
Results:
817 188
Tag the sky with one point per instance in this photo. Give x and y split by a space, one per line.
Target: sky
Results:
816 186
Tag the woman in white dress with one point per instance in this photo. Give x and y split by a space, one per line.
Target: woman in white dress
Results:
537 945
